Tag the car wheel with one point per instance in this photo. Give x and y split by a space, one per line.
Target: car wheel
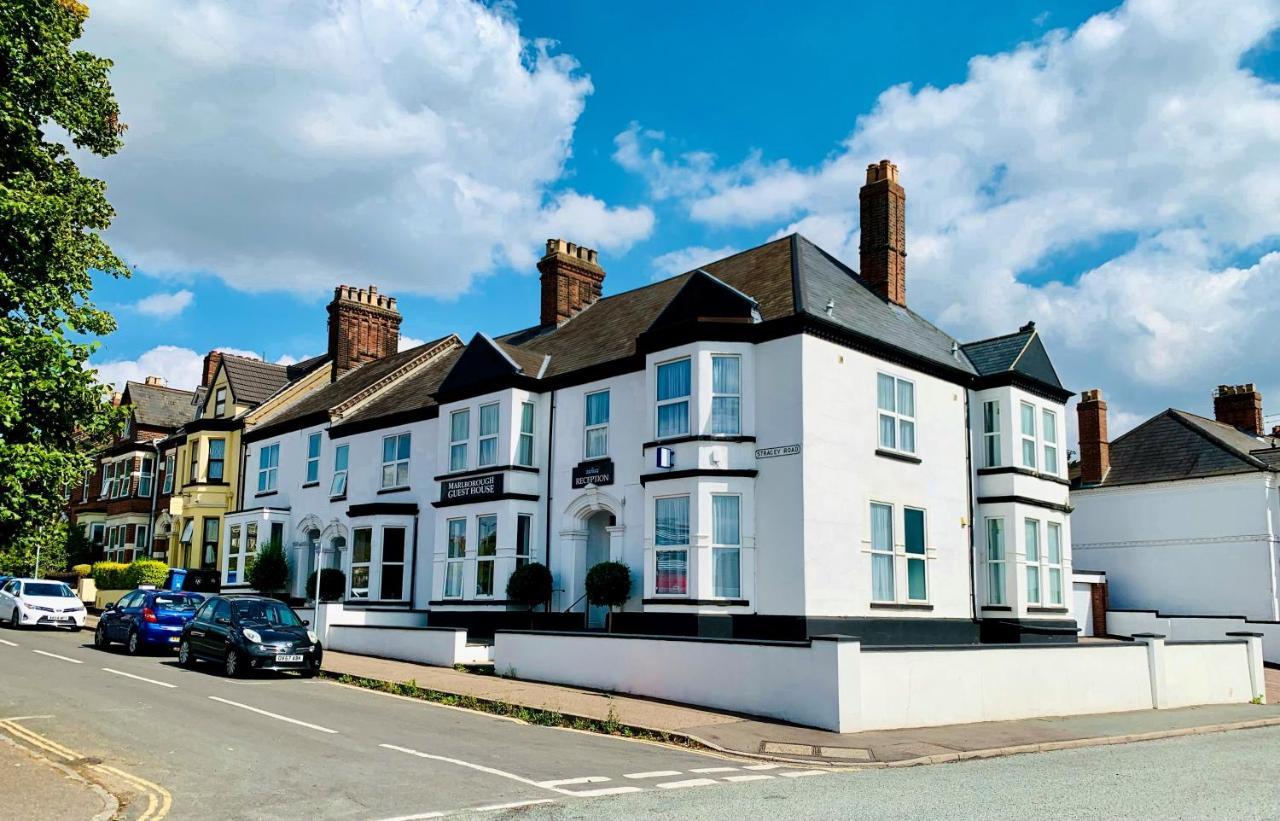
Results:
310 672
100 639
232 665
14 623
185 657
76 628
134 643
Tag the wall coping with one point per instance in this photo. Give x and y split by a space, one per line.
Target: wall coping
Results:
696 639
930 648
395 627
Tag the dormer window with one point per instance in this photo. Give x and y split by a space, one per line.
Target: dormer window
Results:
673 398
219 401
726 395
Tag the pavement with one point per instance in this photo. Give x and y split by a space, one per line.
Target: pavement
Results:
36 788
773 741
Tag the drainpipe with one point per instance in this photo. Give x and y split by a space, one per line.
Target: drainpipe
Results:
551 435
968 476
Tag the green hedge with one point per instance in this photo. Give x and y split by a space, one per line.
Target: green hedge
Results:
82 570
120 576
110 575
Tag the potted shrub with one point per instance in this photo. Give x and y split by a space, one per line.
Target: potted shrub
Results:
333 584
609 585
268 571
530 585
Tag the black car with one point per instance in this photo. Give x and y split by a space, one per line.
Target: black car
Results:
245 633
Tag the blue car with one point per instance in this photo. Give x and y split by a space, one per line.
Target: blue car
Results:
146 619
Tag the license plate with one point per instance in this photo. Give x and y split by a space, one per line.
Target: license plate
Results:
286 659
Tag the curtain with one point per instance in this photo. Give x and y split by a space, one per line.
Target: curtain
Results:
727 572
906 399
726 376
725 521
598 408
460 426
882 587
488 420
888 435
884 392
673 419
673 380
671 524
726 415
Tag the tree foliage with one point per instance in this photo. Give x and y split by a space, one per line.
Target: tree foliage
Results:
51 221
333 584
609 584
530 585
268 571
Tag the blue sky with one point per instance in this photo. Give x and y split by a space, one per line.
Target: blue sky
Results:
711 126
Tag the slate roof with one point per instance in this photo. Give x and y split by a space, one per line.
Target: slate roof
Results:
157 406
1176 445
253 381
1020 353
414 392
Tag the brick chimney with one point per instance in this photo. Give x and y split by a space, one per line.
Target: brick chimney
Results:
1095 450
883 252
364 325
157 381
571 280
211 361
1239 406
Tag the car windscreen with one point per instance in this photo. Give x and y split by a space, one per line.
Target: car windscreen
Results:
47 589
176 602
272 613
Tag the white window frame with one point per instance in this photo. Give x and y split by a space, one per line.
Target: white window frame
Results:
1052 568
84 486
598 428
997 562
312 476
193 453
922 557
675 547
481 437
737 418
268 467
1033 552
234 554
219 401
1049 441
170 464
883 552
524 441
108 480
1028 439
719 547
490 559
382 564
396 463
338 490
459 459
991 440
686 399
524 546
140 534
455 563
222 461
146 477
124 483
900 419
367 564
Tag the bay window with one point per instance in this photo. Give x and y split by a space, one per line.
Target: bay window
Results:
361 558
896 401
991 434
1028 435
391 564
457 530
726 546
488 446
486 553
1032 538
211 538
597 425
268 466
524 533
232 574
673 398
140 538
1049 433
338 485
313 459
217 458
145 477
459 435
913 531
1054 561
524 446
395 461
882 582
995 561
726 395
168 474
671 536
193 450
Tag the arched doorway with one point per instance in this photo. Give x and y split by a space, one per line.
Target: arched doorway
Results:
590 533
597 551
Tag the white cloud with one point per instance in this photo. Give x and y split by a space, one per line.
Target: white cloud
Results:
1140 128
295 144
165 306
179 367
688 259
407 342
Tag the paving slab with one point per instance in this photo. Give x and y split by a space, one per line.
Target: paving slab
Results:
45 790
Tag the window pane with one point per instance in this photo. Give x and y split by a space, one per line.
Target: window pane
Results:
524 450
725 374
1050 459
313 446
1033 540
993 451
487 536
597 442
488 420
389 449
360 582
402 474
524 525
1055 585
484 578
488 452
339 485
1029 452
459 426
264 457
995 583
362 546
882 577
526 417
906 398
217 448
1049 421
888 432
598 408
907 436
725 525
726 572
457 538
340 458
392 582
884 392
458 457
881 527
672 520
389 475
1028 419
393 544
916 589
672 572
453 580
673 419
1033 584
403 446
725 415
990 417
913 530
995 539
1055 543
673 380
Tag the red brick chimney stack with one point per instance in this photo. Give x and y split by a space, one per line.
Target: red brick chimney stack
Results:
572 279
1095 450
1239 406
363 326
211 361
883 252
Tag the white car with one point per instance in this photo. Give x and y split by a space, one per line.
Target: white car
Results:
40 602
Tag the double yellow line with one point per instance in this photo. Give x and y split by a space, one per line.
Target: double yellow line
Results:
159 801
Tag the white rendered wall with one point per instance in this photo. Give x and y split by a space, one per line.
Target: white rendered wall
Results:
441 646
1206 674
1197 547
1185 628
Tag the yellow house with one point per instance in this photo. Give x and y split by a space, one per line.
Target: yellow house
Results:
205 456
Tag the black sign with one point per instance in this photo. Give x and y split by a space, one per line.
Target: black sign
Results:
472 488
596 472
781 450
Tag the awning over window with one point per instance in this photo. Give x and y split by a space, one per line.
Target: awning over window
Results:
186 531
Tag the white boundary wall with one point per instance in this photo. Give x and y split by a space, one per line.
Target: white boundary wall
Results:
1194 628
334 615
834 684
442 646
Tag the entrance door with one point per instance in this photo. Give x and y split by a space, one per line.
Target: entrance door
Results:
1083 599
597 551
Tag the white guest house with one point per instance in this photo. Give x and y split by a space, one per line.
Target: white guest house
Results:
775 445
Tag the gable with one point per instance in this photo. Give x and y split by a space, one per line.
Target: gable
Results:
1034 363
703 298
483 363
1167 449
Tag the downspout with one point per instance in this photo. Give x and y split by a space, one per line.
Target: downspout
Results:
551 435
968 476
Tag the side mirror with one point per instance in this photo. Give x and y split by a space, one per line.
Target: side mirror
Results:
222 620
110 606
306 622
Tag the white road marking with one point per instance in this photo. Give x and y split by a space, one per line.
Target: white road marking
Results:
564 782
514 805
691 782
761 767
274 715
706 770
8 643
602 791
420 815
22 718
468 764
801 773
56 656
140 678
654 774
737 778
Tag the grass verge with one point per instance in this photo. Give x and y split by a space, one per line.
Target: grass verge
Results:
530 715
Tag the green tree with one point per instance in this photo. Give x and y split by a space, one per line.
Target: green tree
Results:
51 218
530 585
268 571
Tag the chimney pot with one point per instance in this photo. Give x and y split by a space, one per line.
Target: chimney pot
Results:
572 280
882 214
1239 406
211 361
1095 450
155 380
